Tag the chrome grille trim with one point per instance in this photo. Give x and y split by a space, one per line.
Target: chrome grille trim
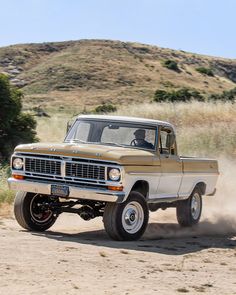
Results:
43 166
66 169
81 170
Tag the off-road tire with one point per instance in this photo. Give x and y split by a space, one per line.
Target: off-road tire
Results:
186 214
23 210
117 216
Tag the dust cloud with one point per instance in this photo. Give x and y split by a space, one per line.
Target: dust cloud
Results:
218 215
220 210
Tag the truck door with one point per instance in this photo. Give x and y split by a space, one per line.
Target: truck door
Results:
171 165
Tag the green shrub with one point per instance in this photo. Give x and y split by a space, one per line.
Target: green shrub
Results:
205 71
182 94
227 95
171 65
105 108
186 94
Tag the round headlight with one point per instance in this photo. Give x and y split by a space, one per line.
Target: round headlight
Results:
114 174
17 163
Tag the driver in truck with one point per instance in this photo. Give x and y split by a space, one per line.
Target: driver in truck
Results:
140 141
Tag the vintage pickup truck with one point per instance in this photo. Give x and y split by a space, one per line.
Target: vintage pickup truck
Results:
110 166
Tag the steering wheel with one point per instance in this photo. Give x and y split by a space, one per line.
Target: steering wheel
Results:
134 142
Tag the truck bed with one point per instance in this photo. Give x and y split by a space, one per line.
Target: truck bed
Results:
195 164
198 170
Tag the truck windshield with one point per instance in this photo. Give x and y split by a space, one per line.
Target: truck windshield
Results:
113 133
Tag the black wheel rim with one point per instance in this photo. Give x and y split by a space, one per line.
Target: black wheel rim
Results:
39 210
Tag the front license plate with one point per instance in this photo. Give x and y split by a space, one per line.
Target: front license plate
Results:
59 190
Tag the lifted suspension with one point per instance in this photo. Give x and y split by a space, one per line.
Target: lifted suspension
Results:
89 210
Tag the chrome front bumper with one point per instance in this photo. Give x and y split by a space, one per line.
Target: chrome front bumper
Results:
74 192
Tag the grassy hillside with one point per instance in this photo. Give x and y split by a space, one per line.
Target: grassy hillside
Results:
78 74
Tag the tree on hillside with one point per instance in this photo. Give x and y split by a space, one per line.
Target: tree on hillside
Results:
15 127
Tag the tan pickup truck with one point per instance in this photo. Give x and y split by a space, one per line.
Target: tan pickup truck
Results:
115 167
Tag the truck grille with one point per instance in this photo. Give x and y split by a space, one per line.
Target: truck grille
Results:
58 169
43 166
82 170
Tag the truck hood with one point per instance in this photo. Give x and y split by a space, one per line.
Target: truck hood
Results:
123 156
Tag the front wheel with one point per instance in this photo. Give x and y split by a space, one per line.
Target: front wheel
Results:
189 211
126 221
32 213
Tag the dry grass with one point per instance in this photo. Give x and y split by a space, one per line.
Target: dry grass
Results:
6 196
183 114
53 129
204 129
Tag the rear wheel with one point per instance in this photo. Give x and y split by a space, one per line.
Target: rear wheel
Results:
31 211
128 220
189 211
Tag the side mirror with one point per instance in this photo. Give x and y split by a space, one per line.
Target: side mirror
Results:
69 125
170 140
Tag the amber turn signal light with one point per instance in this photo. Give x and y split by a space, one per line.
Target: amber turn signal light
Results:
115 188
20 177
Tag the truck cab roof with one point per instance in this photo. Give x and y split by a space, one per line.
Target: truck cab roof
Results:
126 119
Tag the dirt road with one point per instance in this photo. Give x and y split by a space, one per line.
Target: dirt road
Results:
77 257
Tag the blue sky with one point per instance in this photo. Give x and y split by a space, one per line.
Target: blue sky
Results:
201 26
